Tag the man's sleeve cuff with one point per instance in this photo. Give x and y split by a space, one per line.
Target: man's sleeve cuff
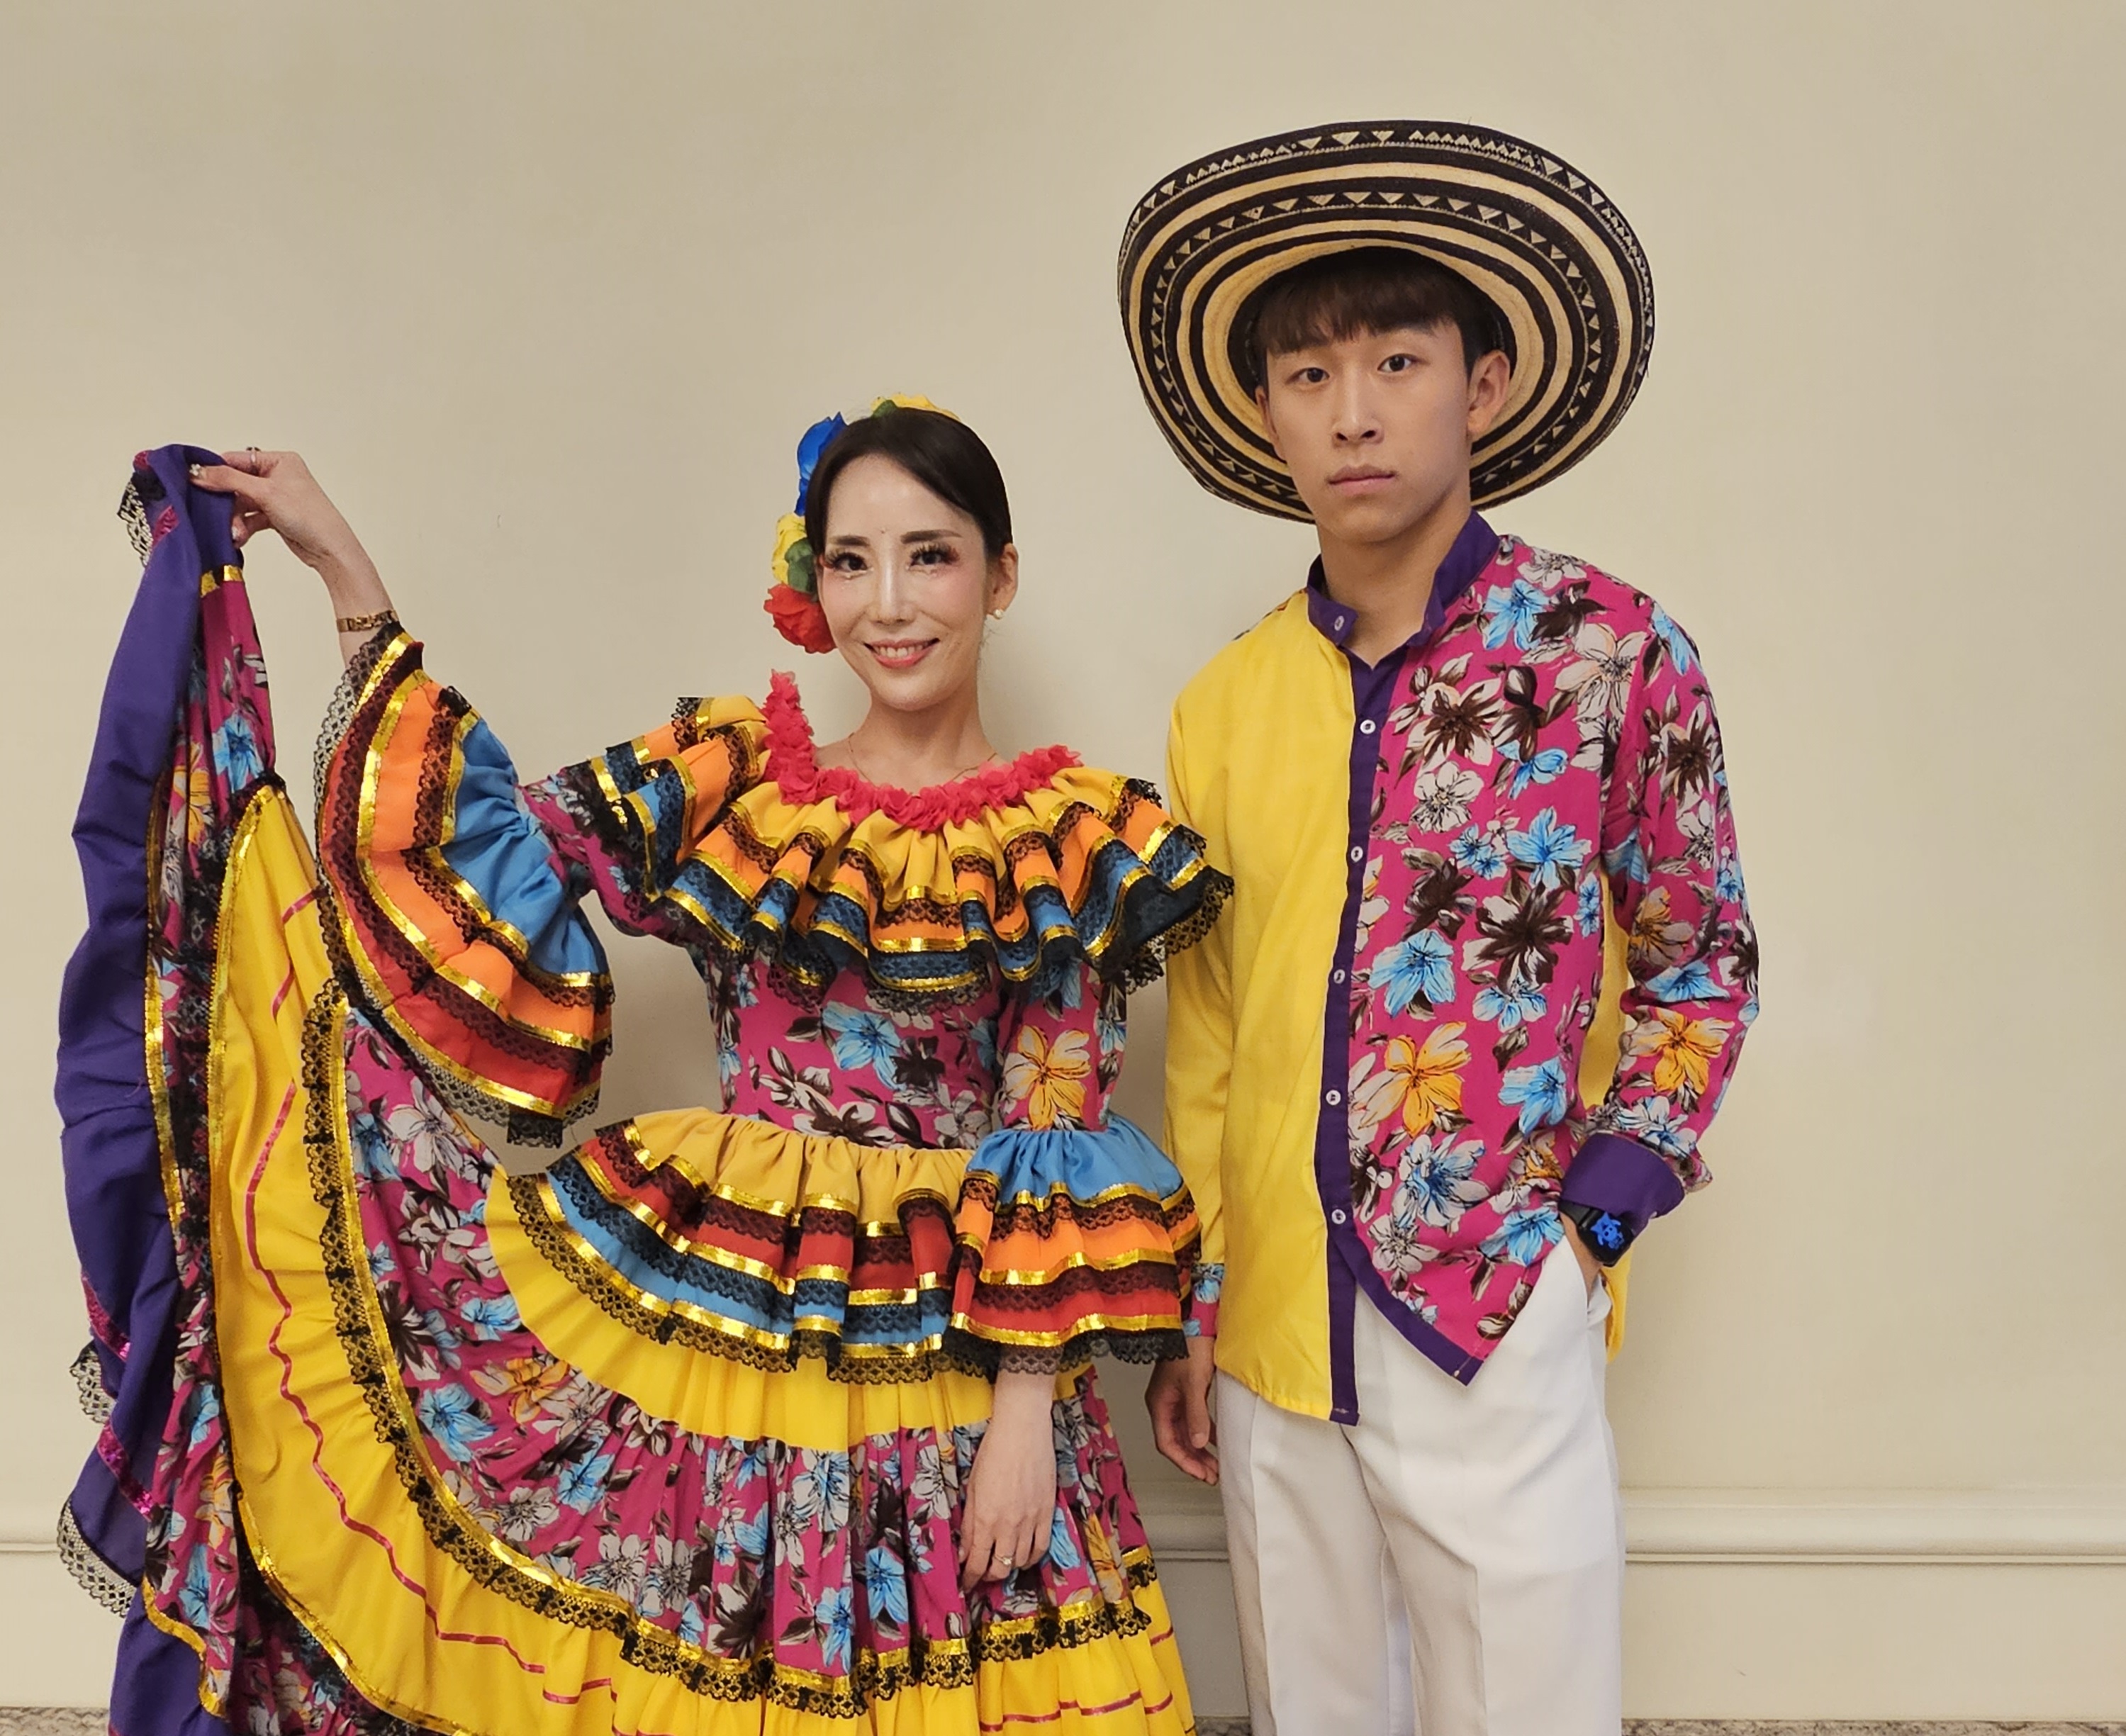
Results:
1619 1176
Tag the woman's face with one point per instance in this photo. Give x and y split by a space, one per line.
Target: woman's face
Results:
906 585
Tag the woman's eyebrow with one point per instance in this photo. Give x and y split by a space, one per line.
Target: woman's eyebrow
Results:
915 536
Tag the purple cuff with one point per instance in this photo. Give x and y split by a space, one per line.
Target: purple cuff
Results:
1619 1176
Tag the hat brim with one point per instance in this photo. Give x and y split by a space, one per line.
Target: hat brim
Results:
1538 238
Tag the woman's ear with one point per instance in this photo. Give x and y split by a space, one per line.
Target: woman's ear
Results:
1004 580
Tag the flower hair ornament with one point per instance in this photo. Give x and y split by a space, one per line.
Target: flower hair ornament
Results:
793 600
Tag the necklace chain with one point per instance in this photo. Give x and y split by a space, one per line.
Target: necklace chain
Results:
849 742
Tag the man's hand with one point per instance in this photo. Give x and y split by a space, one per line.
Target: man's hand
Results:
1590 1268
1179 1400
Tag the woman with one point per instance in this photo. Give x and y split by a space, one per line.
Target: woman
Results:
773 1418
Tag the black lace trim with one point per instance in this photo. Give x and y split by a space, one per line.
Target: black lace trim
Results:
91 1572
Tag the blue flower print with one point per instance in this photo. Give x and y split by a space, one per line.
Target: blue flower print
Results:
742 1539
452 1417
1511 1005
1510 613
862 1038
205 1405
834 1617
488 1317
1589 913
1062 1550
1525 1237
375 1154
1680 651
1551 849
1477 853
886 1586
195 1596
582 1481
1626 859
1540 1090
693 1625
1546 767
1727 882
1438 1182
237 760
1419 968
1692 980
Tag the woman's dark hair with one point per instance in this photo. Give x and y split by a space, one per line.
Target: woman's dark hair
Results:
1356 293
946 456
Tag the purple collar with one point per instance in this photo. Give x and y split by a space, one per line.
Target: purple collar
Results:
1473 550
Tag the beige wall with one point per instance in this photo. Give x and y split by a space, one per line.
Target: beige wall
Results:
547 294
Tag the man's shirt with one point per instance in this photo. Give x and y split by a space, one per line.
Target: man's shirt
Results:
1371 1062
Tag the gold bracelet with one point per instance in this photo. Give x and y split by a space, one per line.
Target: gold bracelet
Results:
367 623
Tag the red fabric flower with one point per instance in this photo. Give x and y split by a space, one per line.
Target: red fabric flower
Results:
166 521
799 619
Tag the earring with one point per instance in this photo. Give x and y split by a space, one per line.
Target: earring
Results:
996 614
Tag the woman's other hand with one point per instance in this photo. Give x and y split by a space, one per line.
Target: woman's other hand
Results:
1011 1490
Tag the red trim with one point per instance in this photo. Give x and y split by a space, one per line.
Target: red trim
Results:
795 767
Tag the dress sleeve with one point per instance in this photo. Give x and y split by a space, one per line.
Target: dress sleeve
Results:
455 896
1076 1233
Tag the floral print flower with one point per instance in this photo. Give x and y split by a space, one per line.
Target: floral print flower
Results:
1046 1079
1416 972
1423 1082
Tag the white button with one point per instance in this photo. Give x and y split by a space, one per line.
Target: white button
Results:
1335 1098
1339 624
1336 1217
1367 727
1357 853
1335 976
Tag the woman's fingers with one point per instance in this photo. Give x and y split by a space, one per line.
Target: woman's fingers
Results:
226 479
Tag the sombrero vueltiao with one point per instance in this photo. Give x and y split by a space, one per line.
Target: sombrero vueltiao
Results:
1542 241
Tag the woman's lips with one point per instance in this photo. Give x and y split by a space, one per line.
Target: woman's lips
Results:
902 654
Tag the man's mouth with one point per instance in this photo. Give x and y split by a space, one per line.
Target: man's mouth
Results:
1360 479
900 653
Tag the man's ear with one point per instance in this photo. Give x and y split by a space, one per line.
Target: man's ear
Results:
1489 382
1269 422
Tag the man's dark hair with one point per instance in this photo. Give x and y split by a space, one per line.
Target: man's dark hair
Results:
1365 289
946 456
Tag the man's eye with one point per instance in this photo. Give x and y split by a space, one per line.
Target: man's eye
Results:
1398 364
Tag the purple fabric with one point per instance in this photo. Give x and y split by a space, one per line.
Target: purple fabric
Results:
108 1144
1619 1176
1373 694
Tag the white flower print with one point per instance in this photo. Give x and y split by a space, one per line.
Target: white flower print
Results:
622 1564
1600 676
1443 799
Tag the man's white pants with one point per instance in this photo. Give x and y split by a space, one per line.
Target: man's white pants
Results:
1451 1564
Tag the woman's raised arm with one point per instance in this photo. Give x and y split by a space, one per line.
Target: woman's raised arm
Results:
275 491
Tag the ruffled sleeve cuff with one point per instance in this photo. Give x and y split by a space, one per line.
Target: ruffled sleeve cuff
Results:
449 914
1071 1243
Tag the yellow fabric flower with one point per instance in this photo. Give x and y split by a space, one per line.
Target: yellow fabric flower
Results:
1431 1076
1683 1049
524 1384
902 402
789 537
1048 1079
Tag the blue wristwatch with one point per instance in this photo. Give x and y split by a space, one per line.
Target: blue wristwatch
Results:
1606 1234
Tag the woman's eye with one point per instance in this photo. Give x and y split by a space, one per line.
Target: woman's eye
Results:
845 563
933 554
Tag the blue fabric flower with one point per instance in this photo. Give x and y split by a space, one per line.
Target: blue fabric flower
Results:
237 759
1627 859
1551 849
1510 1005
809 449
490 1317
835 1617
1510 611
1680 651
582 1481
450 1416
1524 1236
1420 968
862 1039
1477 853
1589 913
1540 1090
886 1586
1692 980
1546 767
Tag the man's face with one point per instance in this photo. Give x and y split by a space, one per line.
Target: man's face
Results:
1377 429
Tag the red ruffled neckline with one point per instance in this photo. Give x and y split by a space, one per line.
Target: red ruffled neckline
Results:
795 765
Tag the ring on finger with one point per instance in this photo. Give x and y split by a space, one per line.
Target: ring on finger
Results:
257 470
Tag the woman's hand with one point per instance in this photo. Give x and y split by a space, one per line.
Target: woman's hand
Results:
1011 1490
275 491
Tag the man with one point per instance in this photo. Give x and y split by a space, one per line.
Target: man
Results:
1434 773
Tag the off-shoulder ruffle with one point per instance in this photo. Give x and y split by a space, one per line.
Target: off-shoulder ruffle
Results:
722 831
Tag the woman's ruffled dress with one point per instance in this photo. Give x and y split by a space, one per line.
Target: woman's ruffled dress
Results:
674 1436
